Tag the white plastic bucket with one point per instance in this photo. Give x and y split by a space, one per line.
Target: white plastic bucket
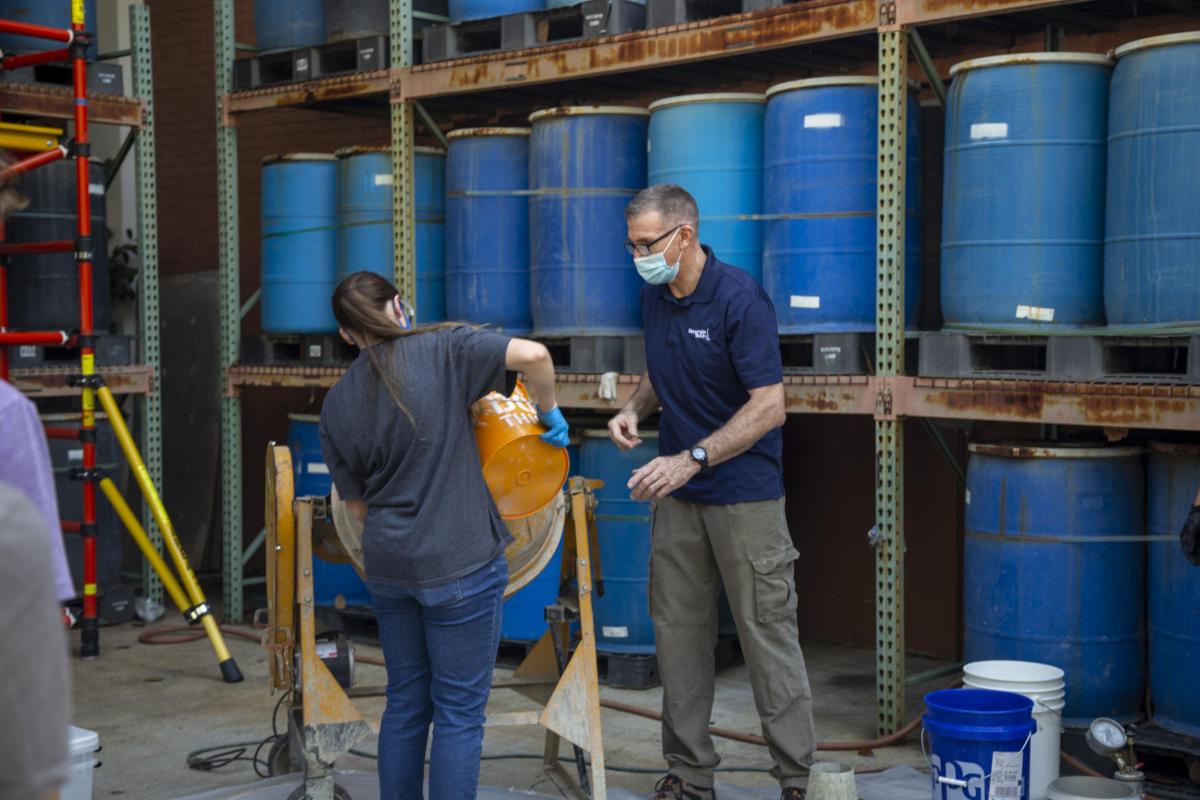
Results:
83 746
1044 685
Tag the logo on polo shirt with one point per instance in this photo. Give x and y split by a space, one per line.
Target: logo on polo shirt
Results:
701 334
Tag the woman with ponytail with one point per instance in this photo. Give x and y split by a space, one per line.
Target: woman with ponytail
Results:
398 437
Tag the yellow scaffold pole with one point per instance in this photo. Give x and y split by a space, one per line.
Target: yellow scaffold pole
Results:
195 608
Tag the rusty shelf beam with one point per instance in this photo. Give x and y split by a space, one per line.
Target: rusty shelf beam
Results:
924 12
768 29
39 100
242 375
308 93
1162 406
52 381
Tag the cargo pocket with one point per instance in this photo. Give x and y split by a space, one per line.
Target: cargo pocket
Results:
775 585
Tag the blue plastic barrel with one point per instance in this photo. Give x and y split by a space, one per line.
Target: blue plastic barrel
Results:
712 145
52 14
43 288
1042 582
1023 199
430 201
524 618
312 478
819 195
982 737
1173 589
364 238
623 614
288 24
487 228
585 164
299 242
463 10
1152 234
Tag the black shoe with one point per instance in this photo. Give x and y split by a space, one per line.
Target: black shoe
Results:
672 787
793 793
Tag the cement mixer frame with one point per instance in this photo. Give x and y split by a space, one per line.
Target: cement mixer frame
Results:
323 722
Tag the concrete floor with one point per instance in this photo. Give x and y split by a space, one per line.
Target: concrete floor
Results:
152 705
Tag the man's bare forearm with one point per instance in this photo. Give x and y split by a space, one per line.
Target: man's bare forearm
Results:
644 401
763 413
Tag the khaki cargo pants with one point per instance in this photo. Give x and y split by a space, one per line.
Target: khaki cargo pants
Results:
747 546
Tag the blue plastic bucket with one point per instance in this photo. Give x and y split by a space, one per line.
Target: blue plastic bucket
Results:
978 743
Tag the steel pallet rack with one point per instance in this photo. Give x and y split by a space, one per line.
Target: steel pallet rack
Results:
136 112
839 34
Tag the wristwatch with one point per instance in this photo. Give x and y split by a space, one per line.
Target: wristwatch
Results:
700 456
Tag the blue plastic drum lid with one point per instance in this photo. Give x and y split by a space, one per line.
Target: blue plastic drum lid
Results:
585 164
312 478
299 242
50 13
464 10
1042 582
820 170
711 145
1173 586
487 228
1152 233
1023 210
622 615
288 24
43 288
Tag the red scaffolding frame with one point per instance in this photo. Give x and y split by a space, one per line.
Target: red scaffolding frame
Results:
76 40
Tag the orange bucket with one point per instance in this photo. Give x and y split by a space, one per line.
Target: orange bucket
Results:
522 472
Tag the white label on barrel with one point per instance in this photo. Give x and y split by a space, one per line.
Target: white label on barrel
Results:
822 120
1035 313
28 350
317 468
96 188
968 497
383 179
1007 776
614 632
989 130
75 455
326 650
805 301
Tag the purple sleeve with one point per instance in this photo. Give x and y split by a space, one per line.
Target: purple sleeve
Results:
26 467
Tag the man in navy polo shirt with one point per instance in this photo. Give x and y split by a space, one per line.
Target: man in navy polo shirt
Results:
712 353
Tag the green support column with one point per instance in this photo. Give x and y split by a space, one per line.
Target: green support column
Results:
230 278
148 330
403 220
889 356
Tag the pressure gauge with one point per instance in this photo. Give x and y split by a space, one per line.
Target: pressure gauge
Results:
1106 736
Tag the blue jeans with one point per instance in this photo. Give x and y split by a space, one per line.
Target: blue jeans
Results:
439 644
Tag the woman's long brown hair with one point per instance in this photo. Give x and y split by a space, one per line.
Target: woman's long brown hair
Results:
359 305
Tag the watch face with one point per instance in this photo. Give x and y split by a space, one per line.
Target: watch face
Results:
700 454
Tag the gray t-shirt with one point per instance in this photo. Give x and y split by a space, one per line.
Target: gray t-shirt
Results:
35 693
430 518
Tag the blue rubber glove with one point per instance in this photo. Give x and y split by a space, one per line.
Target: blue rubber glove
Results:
556 427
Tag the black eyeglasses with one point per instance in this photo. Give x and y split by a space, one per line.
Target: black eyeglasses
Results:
644 249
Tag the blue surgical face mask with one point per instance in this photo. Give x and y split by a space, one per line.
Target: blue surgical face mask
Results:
654 267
